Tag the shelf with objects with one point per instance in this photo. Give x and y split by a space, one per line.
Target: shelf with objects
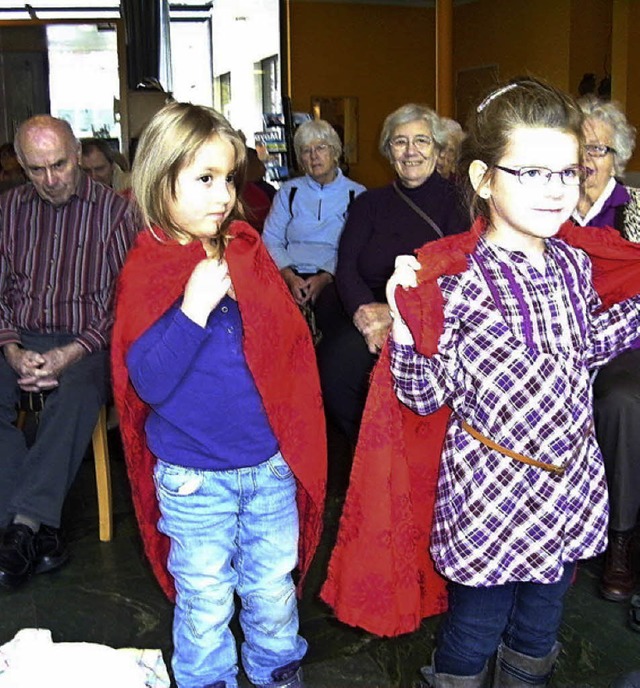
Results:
274 147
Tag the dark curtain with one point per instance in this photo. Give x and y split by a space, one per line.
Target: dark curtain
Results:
142 27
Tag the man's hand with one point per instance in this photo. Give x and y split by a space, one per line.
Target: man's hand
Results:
58 359
38 372
23 361
373 322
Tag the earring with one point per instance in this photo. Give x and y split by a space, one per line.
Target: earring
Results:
484 193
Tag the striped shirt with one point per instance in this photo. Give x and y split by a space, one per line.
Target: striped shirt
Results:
513 361
58 264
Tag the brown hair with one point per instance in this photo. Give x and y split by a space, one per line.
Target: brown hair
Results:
167 145
521 102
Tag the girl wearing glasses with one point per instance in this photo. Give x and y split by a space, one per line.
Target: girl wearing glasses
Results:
493 339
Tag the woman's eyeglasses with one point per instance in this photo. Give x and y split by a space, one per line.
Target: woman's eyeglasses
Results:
401 143
541 176
597 150
308 151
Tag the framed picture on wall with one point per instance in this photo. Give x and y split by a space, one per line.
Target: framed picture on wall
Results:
342 114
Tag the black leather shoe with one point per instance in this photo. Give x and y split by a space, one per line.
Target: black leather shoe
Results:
17 555
51 549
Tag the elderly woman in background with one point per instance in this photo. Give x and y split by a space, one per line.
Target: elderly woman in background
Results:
307 216
448 157
609 141
383 223
608 146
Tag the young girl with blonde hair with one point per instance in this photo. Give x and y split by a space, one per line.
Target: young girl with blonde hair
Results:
219 401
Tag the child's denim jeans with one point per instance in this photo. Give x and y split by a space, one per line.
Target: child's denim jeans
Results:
525 616
231 531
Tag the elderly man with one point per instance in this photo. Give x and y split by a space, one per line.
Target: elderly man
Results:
98 160
63 240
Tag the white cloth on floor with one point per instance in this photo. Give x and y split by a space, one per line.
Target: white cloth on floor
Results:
33 659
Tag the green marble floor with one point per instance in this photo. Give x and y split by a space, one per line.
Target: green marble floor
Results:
106 594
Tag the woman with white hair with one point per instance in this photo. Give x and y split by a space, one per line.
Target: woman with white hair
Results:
419 206
307 216
608 146
609 141
448 157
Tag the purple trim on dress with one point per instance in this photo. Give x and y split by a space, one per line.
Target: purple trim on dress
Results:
489 282
566 256
516 290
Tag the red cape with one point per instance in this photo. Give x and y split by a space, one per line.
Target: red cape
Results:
279 353
381 576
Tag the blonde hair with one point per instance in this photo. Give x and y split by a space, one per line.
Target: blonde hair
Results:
168 144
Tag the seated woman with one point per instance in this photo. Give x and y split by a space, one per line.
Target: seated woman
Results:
448 157
609 143
383 223
307 216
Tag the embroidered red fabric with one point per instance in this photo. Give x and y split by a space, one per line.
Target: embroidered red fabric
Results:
279 353
381 576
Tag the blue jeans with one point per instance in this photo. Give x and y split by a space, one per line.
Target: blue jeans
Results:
524 616
231 531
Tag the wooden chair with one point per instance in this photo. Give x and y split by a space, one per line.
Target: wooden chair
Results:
102 468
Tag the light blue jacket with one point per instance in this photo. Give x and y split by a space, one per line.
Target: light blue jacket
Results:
303 231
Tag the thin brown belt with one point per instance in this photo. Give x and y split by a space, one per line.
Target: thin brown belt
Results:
558 470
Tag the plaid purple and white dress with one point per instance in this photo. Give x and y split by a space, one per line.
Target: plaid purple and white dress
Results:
514 362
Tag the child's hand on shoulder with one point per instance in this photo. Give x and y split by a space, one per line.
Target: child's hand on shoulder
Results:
208 284
405 276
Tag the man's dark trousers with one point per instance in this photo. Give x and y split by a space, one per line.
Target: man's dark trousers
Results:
34 481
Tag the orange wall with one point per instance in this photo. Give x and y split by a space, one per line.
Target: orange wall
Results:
520 37
633 78
385 56
590 46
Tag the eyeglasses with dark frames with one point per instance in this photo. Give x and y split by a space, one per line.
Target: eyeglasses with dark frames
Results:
573 175
597 150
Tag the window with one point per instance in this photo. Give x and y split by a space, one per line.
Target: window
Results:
270 87
223 94
191 60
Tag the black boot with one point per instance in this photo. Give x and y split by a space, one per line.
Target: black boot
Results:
515 670
618 580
